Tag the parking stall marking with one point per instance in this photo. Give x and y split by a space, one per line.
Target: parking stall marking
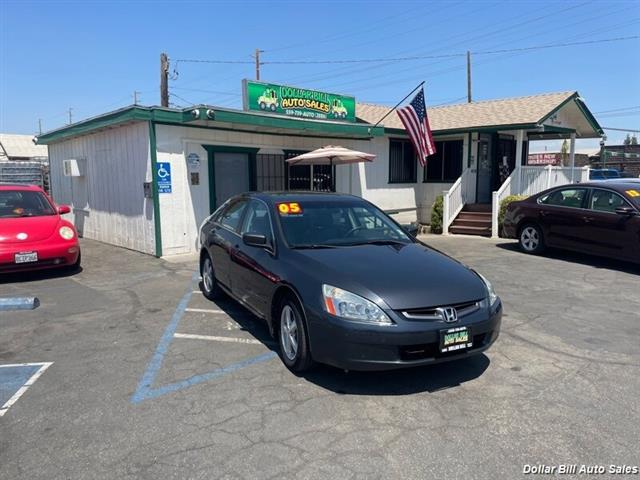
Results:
205 310
24 385
214 338
145 389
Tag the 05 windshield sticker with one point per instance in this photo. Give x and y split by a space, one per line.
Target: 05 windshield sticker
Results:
633 193
289 208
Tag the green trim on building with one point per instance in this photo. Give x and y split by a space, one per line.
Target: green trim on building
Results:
455 131
211 151
153 151
185 117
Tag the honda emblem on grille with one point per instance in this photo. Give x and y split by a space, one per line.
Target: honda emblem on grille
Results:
448 314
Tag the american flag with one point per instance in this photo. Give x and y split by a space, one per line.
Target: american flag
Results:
415 121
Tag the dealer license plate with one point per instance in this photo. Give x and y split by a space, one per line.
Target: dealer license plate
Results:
27 257
457 338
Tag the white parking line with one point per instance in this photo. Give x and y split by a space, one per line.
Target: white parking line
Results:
221 339
204 310
28 383
197 291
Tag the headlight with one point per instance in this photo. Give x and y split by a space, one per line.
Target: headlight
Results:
67 233
350 306
490 291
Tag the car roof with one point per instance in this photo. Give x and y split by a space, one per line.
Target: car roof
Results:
619 185
300 196
17 186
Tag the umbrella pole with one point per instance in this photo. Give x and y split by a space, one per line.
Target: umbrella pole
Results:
333 179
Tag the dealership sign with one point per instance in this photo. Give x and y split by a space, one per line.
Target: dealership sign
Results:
544 159
297 102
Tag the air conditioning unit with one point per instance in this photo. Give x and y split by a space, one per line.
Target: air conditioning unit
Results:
74 167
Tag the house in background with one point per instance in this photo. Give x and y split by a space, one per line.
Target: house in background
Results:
21 148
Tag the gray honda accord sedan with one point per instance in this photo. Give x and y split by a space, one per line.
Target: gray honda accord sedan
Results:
339 282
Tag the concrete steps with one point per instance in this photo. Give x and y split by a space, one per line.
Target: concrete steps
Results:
474 219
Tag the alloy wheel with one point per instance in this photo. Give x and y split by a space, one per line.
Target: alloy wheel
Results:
289 332
207 275
530 238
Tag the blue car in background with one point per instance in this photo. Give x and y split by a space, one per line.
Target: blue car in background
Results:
603 173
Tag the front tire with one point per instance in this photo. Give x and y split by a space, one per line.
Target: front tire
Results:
531 239
208 285
293 338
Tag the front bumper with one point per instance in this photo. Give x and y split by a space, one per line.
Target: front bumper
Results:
51 254
354 346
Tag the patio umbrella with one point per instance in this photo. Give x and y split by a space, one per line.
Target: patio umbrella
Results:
331 155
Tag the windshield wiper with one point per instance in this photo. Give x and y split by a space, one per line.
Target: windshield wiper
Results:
313 245
386 241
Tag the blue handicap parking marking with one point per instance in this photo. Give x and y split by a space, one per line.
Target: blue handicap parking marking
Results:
15 379
146 389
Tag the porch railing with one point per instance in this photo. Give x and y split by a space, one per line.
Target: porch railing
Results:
454 199
531 180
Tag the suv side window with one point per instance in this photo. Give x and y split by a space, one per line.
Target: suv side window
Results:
606 201
567 197
231 217
257 220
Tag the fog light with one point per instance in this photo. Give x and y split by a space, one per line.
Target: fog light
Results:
56 261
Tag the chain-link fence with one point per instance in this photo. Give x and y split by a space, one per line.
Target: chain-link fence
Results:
25 173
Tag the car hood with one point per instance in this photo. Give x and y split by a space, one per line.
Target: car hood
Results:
36 228
403 276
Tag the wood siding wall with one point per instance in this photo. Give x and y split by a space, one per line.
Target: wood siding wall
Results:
108 202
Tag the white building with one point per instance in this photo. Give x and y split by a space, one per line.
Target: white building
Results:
145 177
18 148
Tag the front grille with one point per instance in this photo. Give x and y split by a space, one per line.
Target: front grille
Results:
16 267
430 313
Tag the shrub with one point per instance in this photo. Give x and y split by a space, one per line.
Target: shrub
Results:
436 215
503 208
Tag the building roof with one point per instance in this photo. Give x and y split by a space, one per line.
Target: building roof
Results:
531 110
20 146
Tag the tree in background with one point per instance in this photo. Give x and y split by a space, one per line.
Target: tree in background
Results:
631 139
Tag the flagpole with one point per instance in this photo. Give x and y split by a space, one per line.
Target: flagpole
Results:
397 105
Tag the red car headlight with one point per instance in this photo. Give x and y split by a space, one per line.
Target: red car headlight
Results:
67 233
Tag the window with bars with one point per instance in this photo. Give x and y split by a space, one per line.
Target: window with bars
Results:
446 164
270 172
402 162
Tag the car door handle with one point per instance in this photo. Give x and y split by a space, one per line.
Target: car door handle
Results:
543 213
587 219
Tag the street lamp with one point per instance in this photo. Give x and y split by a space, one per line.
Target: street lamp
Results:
603 159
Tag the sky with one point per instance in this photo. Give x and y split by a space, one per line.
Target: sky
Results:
91 56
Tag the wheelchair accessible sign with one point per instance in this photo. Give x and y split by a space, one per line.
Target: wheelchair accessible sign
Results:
163 177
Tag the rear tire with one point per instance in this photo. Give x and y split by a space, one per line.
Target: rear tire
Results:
292 337
208 285
531 239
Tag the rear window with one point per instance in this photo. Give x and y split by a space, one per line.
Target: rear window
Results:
24 203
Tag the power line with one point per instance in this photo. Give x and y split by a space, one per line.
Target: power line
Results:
414 57
630 130
618 109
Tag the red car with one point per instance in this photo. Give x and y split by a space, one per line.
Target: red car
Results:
33 235
600 218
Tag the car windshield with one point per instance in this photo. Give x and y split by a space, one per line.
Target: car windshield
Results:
333 224
24 203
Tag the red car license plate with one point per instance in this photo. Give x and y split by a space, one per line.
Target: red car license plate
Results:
27 257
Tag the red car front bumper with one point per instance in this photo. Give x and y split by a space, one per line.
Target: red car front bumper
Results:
51 254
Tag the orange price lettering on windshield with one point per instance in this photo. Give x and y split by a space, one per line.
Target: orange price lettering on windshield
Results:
289 208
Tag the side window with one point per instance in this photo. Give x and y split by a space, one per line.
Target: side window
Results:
231 217
257 220
605 201
569 197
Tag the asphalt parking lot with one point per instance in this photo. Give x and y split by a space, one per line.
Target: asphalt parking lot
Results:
148 379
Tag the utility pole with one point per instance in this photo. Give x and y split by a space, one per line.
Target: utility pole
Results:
40 126
70 116
468 76
164 80
257 57
135 97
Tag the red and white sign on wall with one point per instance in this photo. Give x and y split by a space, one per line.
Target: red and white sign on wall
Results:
543 159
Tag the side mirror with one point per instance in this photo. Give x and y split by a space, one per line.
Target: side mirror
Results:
629 211
254 240
62 209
